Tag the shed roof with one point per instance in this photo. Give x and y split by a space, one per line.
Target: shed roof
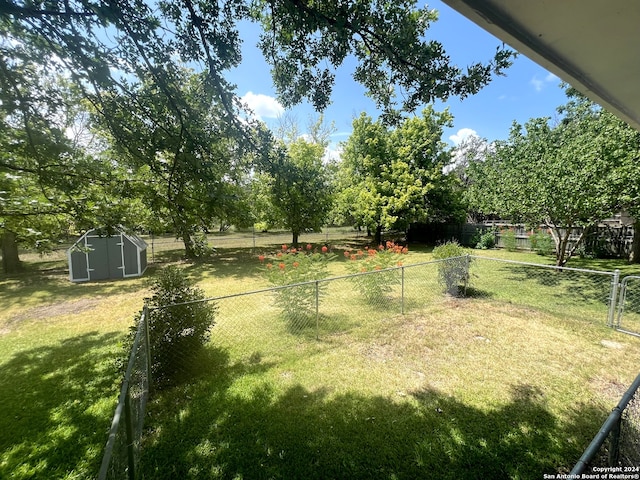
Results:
135 239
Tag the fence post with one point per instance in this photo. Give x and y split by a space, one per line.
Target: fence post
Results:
614 443
128 423
253 235
317 311
147 345
466 273
615 283
402 290
622 298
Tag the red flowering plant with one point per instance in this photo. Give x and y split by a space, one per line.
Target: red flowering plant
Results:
375 286
292 266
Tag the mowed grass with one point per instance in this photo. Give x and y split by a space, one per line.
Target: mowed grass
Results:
58 375
480 384
465 389
512 382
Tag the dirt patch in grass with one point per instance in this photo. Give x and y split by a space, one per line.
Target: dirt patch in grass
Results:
49 311
608 388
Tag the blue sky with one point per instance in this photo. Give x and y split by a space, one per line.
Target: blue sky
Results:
527 90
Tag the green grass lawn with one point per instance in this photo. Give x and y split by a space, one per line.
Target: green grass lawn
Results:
496 385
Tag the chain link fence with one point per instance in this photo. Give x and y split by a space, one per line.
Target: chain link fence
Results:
578 294
617 444
252 239
277 319
270 326
122 452
628 319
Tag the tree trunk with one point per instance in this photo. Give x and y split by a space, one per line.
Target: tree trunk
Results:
378 238
561 252
9 248
189 251
294 239
634 256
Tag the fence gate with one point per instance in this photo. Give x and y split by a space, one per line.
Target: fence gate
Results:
629 306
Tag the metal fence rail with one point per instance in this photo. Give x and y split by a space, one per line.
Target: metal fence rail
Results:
122 451
315 310
251 239
619 438
569 292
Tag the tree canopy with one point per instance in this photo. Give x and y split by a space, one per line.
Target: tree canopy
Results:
189 169
571 174
185 135
390 178
303 41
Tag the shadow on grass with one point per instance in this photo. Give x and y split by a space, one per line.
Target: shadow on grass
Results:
560 285
22 288
57 403
227 427
473 292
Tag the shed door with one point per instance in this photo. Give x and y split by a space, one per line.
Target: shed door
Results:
114 248
130 257
98 260
105 257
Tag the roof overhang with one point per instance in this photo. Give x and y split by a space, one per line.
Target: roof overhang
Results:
592 45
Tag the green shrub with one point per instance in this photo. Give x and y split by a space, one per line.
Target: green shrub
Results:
201 248
454 271
486 241
509 241
542 243
297 265
176 332
261 227
376 286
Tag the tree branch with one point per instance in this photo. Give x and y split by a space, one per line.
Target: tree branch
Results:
10 8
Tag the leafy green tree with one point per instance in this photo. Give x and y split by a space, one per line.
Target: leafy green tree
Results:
298 188
301 40
568 175
120 58
389 179
50 181
191 173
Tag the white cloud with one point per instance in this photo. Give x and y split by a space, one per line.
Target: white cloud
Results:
332 153
539 84
551 78
462 135
340 134
263 106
